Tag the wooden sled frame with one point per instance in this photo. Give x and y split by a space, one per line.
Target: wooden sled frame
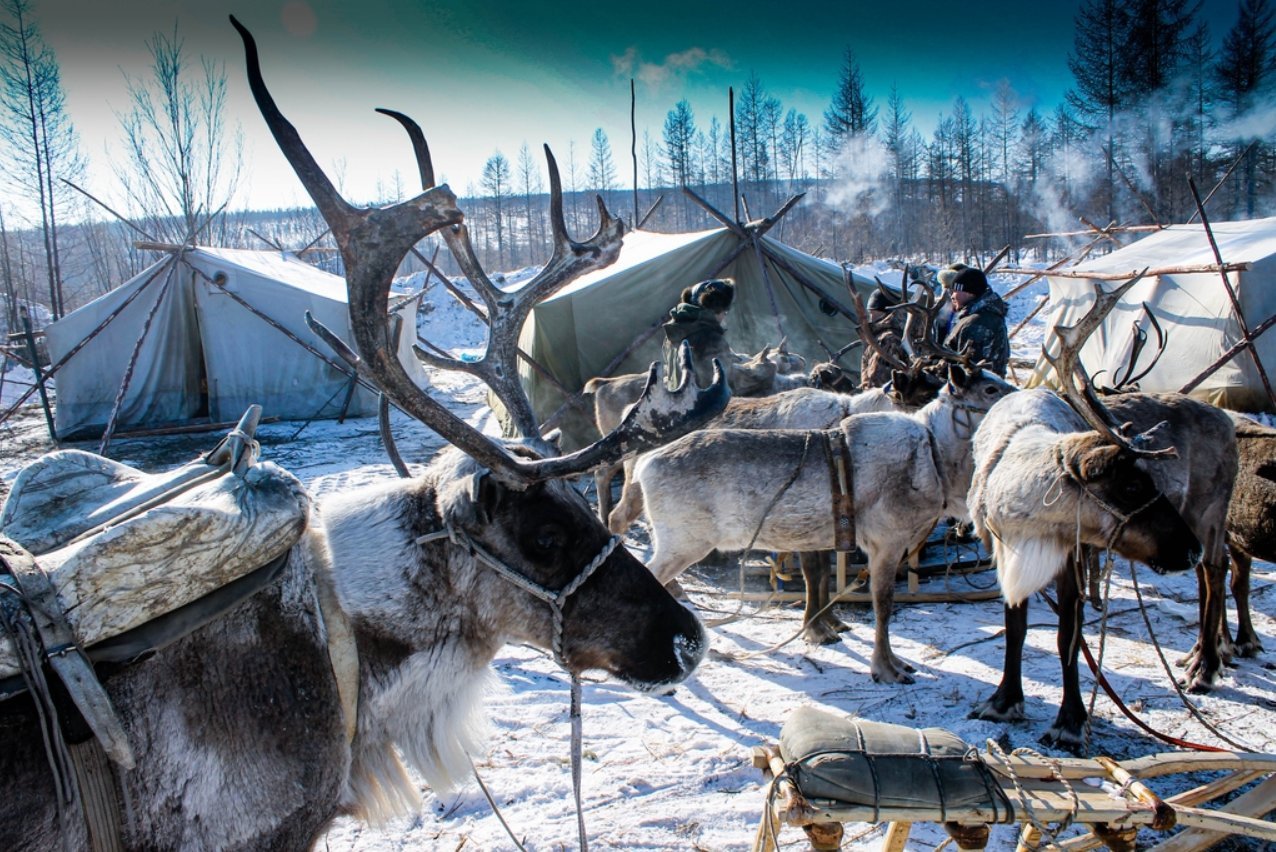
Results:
1049 791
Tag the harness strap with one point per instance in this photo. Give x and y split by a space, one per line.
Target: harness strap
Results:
843 488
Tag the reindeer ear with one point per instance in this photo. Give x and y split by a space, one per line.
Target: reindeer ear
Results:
784 342
958 375
483 494
1097 462
555 438
1151 439
764 354
901 380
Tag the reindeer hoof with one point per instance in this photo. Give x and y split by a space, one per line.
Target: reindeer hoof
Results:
821 633
1069 741
1249 648
991 711
893 676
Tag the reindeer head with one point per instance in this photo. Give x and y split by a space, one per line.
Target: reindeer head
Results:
543 554
1107 464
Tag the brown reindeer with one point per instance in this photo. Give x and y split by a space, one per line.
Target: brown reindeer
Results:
239 726
1052 473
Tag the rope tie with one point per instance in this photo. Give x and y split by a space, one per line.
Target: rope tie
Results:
556 600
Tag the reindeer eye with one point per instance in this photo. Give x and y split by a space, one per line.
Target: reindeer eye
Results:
547 540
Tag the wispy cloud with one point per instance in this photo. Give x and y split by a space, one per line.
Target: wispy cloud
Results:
675 66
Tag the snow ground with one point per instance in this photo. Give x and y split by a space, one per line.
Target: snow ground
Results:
674 772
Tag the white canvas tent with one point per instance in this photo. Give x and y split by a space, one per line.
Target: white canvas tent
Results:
1192 307
198 353
581 331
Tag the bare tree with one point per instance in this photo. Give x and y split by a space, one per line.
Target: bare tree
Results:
182 163
39 141
530 185
602 169
496 183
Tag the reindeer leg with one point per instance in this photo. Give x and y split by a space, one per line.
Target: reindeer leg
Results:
1069 726
1006 704
822 629
628 509
1247 643
603 475
1204 662
885 667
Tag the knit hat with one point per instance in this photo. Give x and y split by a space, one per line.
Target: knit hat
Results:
714 294
961 278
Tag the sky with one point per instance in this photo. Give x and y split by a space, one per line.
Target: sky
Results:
491 75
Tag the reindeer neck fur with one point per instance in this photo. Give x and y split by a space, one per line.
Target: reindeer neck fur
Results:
1033 512
952 445
424 635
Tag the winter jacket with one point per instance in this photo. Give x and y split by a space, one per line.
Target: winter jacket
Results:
703 333
981 325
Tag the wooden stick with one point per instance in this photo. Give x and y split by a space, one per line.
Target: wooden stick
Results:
274 245
310 246
103 205
1229 354
1074 258
1231 292
39 378
761 227
1125 276
77 347
715 212
1018 328
1224 178
992 264
1118 229
650 210
132 361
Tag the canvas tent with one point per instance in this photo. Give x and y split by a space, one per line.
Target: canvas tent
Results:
1192 307
198 353
581 331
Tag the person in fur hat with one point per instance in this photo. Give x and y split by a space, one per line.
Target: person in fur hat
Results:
978 323
699 318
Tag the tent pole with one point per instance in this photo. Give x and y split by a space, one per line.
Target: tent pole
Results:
799 278
735 172
1224 178
345 403
716 213
8 412
1231 353
770 290
633 141
39 377
1231 292
132 360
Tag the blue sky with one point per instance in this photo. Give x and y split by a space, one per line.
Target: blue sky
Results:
483 76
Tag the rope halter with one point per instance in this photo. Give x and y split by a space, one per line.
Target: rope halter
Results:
556 600
1122 518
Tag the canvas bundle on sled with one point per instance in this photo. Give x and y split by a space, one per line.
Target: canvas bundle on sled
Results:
122 547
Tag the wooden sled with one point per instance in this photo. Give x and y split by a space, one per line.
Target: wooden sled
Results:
1109 797
938 576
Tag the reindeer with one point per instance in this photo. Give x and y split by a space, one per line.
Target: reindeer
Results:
1251 523
733 489
1051 474
772 370
240 724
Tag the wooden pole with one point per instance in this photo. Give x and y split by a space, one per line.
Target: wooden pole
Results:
77 347
1224 178
735 173
39 376
1125 276
732 224
103 205
1075 257
1229 354
650 210
1231 292
633 140
127 379
992 264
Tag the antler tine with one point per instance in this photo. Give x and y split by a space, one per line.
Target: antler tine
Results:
424 164
660 415
1071 373
1161 340
865 327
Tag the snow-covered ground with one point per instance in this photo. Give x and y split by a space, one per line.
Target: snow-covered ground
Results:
674 771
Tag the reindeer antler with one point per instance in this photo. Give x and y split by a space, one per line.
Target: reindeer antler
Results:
1075 384
374 241
865 327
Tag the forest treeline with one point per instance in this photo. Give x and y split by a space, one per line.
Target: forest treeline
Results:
1156 98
